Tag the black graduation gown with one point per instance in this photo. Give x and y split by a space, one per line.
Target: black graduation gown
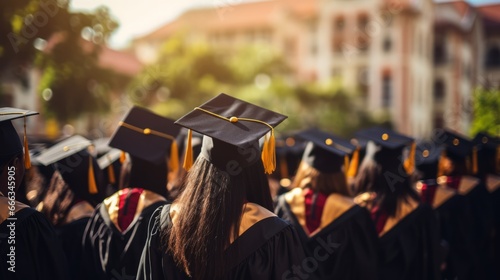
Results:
71 236
110 253
38 253
354 251
493 186
270 249
410 250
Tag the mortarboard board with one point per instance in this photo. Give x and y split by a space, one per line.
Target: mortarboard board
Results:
458 148
428 159
230 126
9 139
326 152
391 146
148 136
63 151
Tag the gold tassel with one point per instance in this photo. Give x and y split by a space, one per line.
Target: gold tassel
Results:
409 163
173 162
353 166
123 157
441 164
269 153
27 159
474 160
188 156
91 178
111 174
346 166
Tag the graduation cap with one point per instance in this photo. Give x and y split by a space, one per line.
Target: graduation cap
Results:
233 128
488 151
459 148
391 145
148 136
327 152
11 144
289 150
106 162
429 159
63 150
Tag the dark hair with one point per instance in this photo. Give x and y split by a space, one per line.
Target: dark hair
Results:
211 207
325 183
13 160
148 175
58 200
390 185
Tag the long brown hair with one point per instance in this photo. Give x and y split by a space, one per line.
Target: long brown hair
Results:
325 183
211 206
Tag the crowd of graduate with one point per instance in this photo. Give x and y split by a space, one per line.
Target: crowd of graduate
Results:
218 194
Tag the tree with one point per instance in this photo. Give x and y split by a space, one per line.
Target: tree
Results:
486 103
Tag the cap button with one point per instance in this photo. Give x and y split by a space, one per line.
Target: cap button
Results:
65 148
425 153
233 119
329 142
456 142
385 136
147 131
485 140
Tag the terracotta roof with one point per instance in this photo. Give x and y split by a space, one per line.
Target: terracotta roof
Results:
227 16
491 12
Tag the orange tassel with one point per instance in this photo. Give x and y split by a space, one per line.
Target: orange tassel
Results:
409 163
441 164
284 168
111 174
91 178
188 156
269 153
173 162
123 157
353 166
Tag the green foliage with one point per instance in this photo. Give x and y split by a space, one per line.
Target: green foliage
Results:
486 111
187 74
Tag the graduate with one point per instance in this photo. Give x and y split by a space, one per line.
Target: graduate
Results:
222 225
322 210
407 229
460 167
72 194
488 149
29 248
111 167
115 235
458 256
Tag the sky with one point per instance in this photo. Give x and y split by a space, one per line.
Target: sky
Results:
141 17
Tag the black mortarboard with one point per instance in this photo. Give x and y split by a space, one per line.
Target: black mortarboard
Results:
457 146
488 152
233 126
289 150
70 156
147 136
10 144
326 152
428 159
107 161
391 145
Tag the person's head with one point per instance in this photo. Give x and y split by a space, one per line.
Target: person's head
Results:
384 171
12 156
430 160
150 141
325 163
488 154
76 167
229 172
460 157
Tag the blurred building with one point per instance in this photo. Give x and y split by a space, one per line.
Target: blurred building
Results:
415 60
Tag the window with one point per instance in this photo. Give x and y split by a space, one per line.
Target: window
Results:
493 57
339 24
386 91
439 52
439 91
362 22
363 43
387 44
438 120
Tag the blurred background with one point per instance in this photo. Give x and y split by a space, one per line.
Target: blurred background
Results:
412 65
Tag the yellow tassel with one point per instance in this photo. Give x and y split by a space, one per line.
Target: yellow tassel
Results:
123 157
409 163
173 162
474 160
353 166
111 174
441 164
188 156
269 153
27 159
284 167
346 166
92 184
